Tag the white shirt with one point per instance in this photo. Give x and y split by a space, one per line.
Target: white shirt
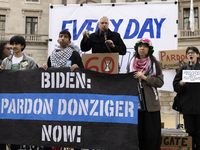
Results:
16 60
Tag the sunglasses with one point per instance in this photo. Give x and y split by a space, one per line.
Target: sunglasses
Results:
192 53
8 48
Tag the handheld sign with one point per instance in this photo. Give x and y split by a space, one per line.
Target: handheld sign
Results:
191 76
102 62
172 59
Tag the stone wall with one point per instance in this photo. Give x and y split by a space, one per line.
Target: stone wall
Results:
166 101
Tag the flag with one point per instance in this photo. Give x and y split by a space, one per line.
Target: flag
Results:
191 19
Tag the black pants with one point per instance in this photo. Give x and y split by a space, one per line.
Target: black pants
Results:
2 146
149 130
192 126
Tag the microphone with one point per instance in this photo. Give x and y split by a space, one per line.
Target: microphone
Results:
105 36
105 33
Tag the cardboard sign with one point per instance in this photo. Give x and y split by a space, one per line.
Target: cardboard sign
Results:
176 148
191 76
172 59
176 143
102 62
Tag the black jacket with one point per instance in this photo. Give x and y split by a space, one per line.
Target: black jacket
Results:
96 41
189 93
75 58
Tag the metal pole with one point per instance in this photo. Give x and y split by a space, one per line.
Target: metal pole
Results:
176 118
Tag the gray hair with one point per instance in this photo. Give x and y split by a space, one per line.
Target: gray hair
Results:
103 17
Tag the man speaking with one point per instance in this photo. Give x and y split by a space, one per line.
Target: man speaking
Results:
104 40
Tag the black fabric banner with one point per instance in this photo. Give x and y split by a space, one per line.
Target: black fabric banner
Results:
60 108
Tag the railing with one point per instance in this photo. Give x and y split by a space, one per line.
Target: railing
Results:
28 37
44 38
188 33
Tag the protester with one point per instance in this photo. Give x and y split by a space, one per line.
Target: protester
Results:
66 54
5 51
189 97
103 40
18 61
149 73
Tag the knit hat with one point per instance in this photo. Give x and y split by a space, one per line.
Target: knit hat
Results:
144 41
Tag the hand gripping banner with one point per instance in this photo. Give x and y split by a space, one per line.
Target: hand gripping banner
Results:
60 108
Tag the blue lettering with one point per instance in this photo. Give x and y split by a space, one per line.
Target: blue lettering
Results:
89 26
65 23
144 29
128 29
159 26
75 34
133 25
116 25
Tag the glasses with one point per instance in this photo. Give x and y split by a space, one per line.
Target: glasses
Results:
192 53
8 48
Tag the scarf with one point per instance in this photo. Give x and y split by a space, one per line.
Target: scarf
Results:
143 65
59 57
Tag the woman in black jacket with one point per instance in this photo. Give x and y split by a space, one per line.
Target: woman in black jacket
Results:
189 97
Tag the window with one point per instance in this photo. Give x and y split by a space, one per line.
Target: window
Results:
186 15
2 23
31 25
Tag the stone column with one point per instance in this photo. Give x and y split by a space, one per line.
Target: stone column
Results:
71 2
56 2
105 1
120 1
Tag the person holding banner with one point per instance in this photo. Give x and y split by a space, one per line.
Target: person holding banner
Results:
103 40
189 97
18 61
64 55
5 51
149 73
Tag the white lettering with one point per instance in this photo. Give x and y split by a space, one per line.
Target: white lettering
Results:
64 133
68 80
57 133
92 112
74 102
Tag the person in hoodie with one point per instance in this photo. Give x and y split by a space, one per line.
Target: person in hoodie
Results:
189 97
66 54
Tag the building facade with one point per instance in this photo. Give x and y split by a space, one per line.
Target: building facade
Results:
30 18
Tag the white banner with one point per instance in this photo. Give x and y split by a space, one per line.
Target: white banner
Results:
154 20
